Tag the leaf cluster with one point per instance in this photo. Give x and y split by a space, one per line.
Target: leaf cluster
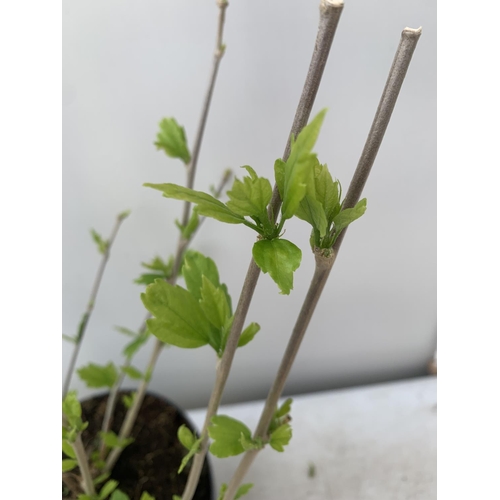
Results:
73 425
171 138
157 268
197 315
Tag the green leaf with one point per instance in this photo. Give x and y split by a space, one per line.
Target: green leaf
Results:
172 139
161 270
179 319
243 490
279 175
248 334
186 437
128 400
251 444
280 258
68 449
146 496
132 347
71 406
284 409
327 191
69 339
132 372
107 489
98 376
298 167
175 497
207 205
126 331
110 439
281 437
190 227
313 212
226 433
214 303
251 196
86 497
194 449
100 479
68 464
197 265
102 245
119 495
123 215
348 215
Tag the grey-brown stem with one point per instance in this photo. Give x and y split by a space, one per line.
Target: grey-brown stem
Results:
324 264
81 458
329 15
90 306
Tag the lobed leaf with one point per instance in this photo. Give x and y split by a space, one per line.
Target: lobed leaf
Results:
179 319
98 376
226 433
172 139
280 258
281 437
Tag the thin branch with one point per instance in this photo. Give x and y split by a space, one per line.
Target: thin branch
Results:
329 16
90 306
132 412
81 458
325 260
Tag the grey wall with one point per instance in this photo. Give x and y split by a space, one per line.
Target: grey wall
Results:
129 63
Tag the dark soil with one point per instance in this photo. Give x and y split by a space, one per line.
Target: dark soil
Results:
150 463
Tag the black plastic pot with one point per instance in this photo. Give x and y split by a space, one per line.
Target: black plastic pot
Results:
150 463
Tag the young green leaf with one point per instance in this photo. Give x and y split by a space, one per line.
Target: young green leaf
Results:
206 205
251 196
128 400
175 497
98 376
195 266
123 215
248 334
251 444
83 496
68 449
172 139
284 409
100 479
119 495
132 372
71 407
280 258
102 245
298 167
194 449
132 347
313 212
348 215
214 303
226 433
327 191
242 490
146 496
186 437
281 437
179 319
107 489
68 464
69 339
190 227
160 268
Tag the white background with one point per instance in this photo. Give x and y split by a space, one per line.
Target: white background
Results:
128 64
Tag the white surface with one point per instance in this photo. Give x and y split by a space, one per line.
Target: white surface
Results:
370 443
128 63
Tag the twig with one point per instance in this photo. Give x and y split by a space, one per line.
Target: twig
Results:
132 412
325 260
90 306
329 16
113 396
81 458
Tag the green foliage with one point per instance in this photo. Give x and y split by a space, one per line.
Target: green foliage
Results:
248 334
160 269
132 347
100 479
72 410
128 400
186 437
119 495
281 437
172 139
280 258
146 496
192 451
132 372
69 339
179 319
107 489
206 205
102 245
284 409
214 304
68 464
228 436
292 179
241 491
123 215
98 376
346 216
111 440
192 225
68 449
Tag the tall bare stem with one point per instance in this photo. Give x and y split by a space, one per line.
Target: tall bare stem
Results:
329 16
81 458
325 260
133 411
90 306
